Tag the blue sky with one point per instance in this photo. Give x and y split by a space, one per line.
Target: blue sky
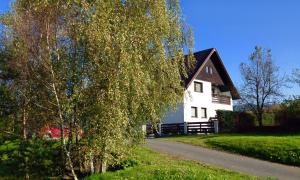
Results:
234 27
4 5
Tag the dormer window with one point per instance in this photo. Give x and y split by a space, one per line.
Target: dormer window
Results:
209 70
198 87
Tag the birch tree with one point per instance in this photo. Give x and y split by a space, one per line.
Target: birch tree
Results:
135 53
39 34
105 67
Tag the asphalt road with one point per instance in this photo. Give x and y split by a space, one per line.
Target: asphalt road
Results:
225 160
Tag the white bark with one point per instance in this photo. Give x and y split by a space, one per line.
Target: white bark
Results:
54 90
92 163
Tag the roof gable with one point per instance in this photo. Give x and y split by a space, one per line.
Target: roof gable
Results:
215 78
211 57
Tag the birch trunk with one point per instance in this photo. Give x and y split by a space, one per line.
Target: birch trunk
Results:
92 163
24 122
55 92
24 119
61 127
103 166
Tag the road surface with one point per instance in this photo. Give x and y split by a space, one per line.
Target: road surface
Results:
225 160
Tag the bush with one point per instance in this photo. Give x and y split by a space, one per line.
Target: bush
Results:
245 120
269 119
226 121
235 121
124 165
37 157
43 156
289 114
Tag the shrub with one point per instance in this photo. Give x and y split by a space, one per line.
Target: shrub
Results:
43 156
235 121
226 121
124 165
269 119
289 114
245 120
37 157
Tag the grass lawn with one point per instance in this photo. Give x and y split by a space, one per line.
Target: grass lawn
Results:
147 165
152 165
282 148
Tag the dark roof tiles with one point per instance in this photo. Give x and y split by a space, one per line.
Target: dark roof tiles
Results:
201 57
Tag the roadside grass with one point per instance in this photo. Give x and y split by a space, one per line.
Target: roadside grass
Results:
142 164
152 165
282 147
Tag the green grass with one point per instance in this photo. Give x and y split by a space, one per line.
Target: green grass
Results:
152 165
146 165
282 148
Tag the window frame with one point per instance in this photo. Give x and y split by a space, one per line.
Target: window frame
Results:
207 70
205 113
210 70
201 86
196 112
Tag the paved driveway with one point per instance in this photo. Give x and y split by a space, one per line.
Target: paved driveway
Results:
233 162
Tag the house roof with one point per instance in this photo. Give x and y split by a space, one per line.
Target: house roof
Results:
202 57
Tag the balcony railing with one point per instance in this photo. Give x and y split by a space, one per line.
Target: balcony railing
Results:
221 99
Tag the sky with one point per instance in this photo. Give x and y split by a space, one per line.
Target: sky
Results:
4 5
235 27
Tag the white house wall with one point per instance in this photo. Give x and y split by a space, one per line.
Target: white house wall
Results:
199 100
202 100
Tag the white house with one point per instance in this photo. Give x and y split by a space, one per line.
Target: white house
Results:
207 88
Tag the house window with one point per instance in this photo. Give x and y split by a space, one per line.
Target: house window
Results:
209 70
198 87
203 113
194 112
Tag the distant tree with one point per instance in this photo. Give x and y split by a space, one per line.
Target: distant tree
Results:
296 77
262 83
